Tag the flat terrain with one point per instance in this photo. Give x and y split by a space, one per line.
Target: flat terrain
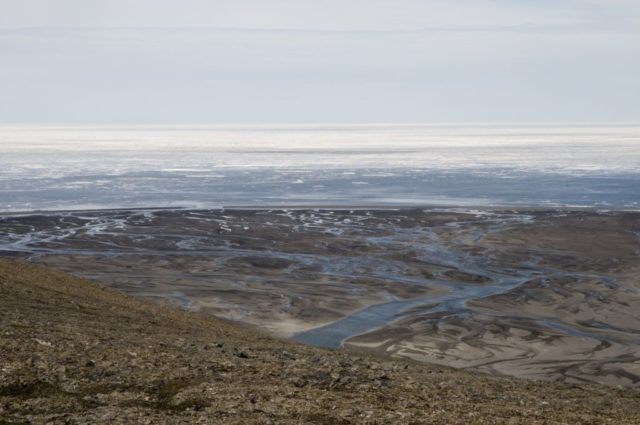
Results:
74 352
546 294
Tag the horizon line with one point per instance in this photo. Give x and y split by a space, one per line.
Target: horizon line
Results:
318 123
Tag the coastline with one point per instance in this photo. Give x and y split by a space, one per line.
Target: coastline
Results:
519 208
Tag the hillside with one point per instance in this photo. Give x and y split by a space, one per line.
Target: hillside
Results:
72 351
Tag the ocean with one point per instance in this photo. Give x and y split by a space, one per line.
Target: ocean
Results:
467 165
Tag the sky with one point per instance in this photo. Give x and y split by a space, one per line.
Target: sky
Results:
318 61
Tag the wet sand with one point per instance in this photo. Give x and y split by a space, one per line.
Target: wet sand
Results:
540 294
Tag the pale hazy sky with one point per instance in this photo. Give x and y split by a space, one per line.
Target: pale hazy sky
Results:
208 61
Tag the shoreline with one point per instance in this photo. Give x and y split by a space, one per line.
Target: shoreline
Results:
335 207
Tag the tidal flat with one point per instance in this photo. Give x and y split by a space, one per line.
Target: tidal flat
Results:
543 294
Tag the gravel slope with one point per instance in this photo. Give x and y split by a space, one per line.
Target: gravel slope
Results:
72 351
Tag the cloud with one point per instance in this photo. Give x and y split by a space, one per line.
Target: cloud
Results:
305 60
319 15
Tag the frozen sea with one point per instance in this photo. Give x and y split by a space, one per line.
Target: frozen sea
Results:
542 165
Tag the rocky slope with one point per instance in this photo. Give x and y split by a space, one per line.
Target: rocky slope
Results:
72 351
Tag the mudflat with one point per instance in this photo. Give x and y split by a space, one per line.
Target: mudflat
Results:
542 294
